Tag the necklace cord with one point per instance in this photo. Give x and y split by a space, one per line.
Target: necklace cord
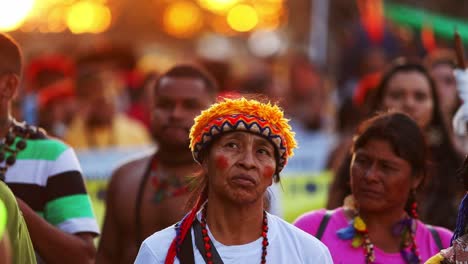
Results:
139 198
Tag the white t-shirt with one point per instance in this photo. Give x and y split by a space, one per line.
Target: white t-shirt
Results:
287 244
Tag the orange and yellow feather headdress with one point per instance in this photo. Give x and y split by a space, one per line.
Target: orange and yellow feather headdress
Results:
264 119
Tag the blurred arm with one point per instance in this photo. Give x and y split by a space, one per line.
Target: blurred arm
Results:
54 245
109 246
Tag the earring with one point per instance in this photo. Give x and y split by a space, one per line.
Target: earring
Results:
414 205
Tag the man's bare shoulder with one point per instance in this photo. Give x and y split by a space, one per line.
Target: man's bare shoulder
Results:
129 173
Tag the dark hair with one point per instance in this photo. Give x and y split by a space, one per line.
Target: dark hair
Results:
189 71
401 132
440 194
403 66
83 79
437 126
440 57
442 148
10 55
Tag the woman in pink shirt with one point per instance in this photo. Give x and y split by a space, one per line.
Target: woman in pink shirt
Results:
378 223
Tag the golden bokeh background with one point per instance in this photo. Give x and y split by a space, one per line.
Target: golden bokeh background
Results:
178 18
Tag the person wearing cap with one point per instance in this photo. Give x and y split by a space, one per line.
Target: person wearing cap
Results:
242 146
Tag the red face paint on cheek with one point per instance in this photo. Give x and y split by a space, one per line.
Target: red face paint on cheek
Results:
221 162
268 172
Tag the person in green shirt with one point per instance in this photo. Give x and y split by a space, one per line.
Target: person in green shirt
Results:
14 231
5 247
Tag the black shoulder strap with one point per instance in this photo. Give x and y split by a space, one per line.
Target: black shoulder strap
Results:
186 250
323 225
216 258
435 236
139 198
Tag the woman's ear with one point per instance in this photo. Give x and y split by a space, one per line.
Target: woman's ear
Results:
417 180
8 86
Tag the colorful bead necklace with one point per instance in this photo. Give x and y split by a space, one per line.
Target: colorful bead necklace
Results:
206 238
12 144
357 232
166 187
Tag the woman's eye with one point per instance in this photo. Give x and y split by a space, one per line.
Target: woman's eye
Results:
387 167
264 152
396 95
231 145
420 97
360 160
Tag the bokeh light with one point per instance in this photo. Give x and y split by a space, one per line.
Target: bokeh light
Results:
264 8
271 13
88 17
182 19
13 13
217 6
56 20
265 43
242 18
220 25
214 47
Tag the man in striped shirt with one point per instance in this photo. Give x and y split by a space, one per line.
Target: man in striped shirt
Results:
45 176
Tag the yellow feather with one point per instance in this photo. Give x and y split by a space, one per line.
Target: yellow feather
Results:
267 111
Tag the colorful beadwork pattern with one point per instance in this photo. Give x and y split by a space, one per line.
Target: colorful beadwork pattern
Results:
244 115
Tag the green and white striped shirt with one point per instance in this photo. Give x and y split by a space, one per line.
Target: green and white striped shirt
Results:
48 177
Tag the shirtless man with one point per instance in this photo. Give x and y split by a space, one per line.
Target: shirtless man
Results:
148 194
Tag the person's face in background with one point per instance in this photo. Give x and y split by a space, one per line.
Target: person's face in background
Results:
311 107
446 87
308 96
177 101
410 92
380 179
373 61
97 100
47 77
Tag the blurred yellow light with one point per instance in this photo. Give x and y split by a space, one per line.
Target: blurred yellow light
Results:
28 27
103 20
217 6
56 20
220 25
13 13
274 1
242 18
87 16
268 9
182 19
269 23
271 13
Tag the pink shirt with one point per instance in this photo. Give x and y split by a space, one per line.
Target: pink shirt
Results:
343 252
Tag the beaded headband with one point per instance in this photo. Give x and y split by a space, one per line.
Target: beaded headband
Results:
264 119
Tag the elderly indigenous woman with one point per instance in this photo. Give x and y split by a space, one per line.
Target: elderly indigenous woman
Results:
388 164
242 146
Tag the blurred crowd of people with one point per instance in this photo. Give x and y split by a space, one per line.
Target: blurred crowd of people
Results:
100 99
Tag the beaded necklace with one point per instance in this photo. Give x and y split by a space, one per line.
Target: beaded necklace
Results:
206 237
12 144
166 187
357 232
